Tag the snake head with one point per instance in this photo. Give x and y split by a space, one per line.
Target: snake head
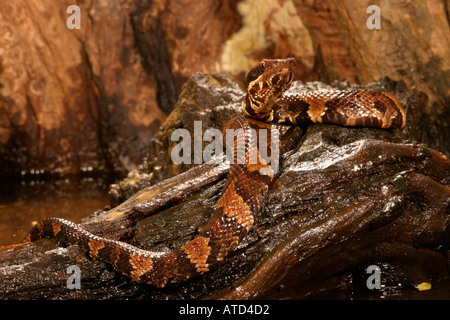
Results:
266 83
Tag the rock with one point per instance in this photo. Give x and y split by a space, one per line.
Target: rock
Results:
94 97
72 99
346 198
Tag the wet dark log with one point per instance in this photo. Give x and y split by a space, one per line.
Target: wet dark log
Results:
346 198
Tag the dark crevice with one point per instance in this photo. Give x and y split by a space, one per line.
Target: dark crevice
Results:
151 42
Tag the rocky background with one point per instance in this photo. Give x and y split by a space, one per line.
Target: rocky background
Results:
91 99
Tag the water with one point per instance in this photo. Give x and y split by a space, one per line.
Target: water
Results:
24 202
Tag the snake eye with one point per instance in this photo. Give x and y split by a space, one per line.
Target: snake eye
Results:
255 72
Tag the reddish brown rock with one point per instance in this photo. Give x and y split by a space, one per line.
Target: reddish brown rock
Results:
69 98
93 98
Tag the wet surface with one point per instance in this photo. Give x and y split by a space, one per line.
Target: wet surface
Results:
24 202
346 198
394 285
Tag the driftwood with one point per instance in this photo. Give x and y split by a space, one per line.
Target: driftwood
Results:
93 97
346 198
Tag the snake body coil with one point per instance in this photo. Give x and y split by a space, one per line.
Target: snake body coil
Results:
266 106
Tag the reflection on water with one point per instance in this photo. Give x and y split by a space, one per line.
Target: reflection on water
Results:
22 203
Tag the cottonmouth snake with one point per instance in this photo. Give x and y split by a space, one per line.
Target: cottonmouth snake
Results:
266 106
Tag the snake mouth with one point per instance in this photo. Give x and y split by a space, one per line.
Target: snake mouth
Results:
282 78
280 82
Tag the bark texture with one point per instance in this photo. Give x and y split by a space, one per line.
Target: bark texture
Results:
346 198
92 98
